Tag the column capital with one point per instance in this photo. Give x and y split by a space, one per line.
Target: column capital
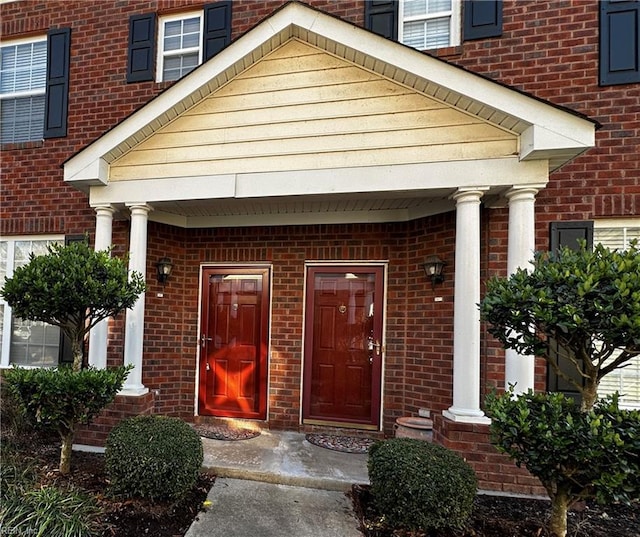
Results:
139 208
107 208
523 192
469 195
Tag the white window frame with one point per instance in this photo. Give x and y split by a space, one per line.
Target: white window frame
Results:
455 22
5 344
31 92
633 369
160 44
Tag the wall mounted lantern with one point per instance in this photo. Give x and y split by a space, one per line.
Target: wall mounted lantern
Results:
433 267
164 267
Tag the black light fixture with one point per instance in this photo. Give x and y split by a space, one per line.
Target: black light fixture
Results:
164 267
433 266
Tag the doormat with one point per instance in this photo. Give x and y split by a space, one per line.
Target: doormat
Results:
223 432
346 444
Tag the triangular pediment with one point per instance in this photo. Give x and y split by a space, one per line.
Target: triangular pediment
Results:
300 108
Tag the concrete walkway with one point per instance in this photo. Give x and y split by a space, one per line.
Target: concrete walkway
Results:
279 485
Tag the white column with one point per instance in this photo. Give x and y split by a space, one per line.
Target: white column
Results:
134 325
99 333
466 315
519 370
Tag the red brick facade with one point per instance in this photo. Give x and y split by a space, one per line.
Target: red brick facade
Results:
547 49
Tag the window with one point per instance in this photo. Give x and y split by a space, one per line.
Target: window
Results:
179 46
429 24
617 234
23 71
25 343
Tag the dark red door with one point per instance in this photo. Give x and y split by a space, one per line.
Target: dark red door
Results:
233 342
343 345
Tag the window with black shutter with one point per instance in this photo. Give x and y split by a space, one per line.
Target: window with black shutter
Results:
570 235
619 42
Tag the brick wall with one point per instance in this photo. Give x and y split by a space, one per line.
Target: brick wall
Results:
494 470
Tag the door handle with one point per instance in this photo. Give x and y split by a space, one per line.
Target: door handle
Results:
377 346
204 339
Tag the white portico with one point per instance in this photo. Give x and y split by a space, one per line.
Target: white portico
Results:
307 119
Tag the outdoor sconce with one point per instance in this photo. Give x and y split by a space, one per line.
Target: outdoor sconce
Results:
164 267
433 266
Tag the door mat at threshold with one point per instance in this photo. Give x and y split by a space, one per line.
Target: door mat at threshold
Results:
223 432
346 444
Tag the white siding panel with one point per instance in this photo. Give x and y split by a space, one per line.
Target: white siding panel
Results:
299 108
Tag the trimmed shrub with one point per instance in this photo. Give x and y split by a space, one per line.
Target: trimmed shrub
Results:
419 485
154 457
576 455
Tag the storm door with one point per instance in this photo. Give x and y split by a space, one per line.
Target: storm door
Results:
234 342
343 346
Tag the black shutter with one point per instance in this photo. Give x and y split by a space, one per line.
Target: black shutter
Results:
619 42
381 17
217 28
142 48
482 18
566 234
65 353
57 88
569 233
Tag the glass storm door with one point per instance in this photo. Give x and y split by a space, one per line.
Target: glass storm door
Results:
233 342
343 346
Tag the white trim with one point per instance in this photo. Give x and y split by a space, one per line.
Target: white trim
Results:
413 178
600 223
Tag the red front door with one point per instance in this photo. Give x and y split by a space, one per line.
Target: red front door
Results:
343 345
233 342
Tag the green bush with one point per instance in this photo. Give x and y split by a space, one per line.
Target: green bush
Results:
154 457
575 455
50 511
419 485
62 398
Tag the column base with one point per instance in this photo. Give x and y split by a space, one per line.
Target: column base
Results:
466 416
134 391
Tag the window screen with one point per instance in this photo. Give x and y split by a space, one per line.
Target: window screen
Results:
23 69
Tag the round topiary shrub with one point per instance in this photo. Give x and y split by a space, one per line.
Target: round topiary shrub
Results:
154 457
419 485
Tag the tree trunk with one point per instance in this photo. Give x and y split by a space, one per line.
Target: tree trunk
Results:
559 507
65 452
76 350
589 395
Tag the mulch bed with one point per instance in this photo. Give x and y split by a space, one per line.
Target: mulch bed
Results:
224 432
345 444
123 517
501 516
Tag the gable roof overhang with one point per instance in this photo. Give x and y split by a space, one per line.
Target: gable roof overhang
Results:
547 137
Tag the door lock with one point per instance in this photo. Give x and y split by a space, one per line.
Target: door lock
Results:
373 344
